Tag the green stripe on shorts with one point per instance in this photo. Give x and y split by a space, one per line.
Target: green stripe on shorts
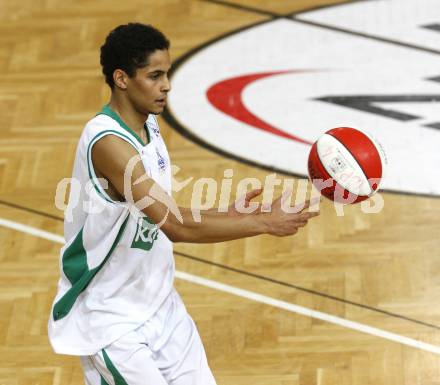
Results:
119 380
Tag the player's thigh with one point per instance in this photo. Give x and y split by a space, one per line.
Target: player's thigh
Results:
193 370
182 360
91 374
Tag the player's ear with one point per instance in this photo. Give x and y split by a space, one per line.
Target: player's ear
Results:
120 79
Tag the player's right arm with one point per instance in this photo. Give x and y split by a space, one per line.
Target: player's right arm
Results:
112 156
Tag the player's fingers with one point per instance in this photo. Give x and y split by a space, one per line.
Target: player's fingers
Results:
246 198
308 203
302 206
253 193
308 215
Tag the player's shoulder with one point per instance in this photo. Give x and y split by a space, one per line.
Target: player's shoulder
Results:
101 126
100 123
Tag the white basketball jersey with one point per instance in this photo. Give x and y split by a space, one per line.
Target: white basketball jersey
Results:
116 267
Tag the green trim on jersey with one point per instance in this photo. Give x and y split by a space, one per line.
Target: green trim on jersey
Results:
103 381
74 260
92 174
119 380
77 258
106 110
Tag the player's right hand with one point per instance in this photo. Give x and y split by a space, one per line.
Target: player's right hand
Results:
280 223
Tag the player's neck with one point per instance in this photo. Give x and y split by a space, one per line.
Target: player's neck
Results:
128 114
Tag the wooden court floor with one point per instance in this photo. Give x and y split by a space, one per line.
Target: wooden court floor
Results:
378 270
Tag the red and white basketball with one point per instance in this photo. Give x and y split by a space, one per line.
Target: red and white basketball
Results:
346 165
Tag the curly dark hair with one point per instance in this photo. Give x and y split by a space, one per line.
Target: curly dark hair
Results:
128 47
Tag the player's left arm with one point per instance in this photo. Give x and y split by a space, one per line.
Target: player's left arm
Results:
234 208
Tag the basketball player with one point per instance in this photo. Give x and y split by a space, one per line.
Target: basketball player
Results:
116 307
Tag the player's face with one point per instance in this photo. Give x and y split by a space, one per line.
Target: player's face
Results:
149 87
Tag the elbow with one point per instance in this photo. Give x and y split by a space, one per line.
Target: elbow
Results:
174 232
173 236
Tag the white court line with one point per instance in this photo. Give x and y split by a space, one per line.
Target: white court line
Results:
32 230
257 297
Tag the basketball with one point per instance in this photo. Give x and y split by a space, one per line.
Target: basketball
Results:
346 165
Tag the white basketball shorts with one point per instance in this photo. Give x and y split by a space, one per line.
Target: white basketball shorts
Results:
165 350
